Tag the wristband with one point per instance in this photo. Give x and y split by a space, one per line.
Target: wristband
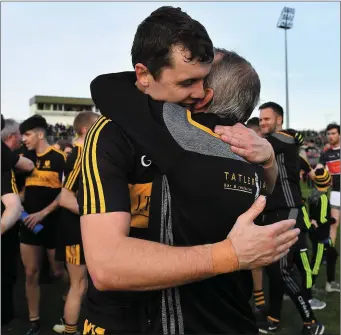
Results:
224 257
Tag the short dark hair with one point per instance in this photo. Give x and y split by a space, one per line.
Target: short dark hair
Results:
165 27
333 126
275 107
253 122
33 122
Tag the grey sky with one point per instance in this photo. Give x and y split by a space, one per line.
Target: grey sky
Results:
58 48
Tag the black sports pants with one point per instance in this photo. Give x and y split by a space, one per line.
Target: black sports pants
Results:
284 275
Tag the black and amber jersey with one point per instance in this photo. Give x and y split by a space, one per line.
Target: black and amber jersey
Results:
286 193
69 221
72 168
44 183
8 185
115 176
203 189
331 159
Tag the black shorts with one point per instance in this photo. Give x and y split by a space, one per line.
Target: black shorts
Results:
89 329
123 319
69 244
45 238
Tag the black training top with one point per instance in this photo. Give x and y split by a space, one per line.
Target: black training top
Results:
8 158
203 189
8 185
286 193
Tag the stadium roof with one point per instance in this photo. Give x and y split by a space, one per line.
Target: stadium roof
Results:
61 100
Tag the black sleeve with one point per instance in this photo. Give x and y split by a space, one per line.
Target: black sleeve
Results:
72 169
277 145
304 165
8 183
106 163
8 158
118 99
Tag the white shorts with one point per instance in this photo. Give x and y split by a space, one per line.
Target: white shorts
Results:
335 199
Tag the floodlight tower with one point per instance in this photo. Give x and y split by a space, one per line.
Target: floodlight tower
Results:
285 22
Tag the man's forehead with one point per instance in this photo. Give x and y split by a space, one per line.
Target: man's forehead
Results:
183 68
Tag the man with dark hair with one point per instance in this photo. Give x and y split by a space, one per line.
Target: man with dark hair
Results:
166 70
283 203
331 160
41 194
253 124
70 246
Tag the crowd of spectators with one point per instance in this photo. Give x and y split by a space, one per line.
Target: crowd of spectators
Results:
60 131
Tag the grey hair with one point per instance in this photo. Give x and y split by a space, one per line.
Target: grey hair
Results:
236 86
11 127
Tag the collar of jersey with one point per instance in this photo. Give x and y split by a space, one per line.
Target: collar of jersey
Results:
45 152
200 126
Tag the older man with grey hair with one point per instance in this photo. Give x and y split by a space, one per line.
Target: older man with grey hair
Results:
10 135
10 141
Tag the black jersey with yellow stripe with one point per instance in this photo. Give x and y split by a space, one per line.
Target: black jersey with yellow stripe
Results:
8 185
44 183
72 168
69 221
116 176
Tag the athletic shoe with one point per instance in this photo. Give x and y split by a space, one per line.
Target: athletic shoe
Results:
313 329
332 287
268 327
60 328
33 331
316 304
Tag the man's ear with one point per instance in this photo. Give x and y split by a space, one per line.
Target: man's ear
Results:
280 120
202 105
142 75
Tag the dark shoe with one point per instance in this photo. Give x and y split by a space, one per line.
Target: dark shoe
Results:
268 327
33 331
313 329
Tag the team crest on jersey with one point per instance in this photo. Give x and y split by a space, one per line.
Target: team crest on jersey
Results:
47 165
38 164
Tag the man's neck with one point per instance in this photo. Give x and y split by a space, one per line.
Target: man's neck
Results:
278 128
80 140
42 147
335 146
